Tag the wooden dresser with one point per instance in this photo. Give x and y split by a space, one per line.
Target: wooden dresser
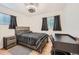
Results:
9 42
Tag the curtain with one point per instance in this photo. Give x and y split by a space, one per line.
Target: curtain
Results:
44 24
13 22
57 24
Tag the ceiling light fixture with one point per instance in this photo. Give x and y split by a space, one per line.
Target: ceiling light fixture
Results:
31 7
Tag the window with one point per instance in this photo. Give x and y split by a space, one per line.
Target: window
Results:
4 19
9 20
50 22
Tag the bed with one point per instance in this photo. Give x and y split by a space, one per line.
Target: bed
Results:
31 39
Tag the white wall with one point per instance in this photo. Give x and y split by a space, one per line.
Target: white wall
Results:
71 19
35 22
4 31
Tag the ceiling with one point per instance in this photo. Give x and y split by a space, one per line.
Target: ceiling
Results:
42 8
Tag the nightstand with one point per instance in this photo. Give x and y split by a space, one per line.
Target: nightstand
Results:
9 42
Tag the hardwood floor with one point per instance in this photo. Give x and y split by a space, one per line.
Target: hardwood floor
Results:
4 52
46 50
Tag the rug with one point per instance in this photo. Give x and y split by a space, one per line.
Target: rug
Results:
20 50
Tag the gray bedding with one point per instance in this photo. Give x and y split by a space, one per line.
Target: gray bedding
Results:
32 38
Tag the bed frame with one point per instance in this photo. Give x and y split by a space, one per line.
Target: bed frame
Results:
41 44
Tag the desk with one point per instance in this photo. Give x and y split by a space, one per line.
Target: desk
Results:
66 42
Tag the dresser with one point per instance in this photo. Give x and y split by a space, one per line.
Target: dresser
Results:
9 42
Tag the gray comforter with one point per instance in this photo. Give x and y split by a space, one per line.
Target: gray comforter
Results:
32 38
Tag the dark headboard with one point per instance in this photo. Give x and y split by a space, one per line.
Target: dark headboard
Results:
21 29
